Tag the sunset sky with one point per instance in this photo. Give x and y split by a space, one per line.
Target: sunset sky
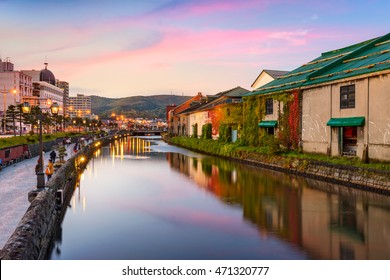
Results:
118 48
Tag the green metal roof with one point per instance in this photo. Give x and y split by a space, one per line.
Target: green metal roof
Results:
353 121
359 59
268 124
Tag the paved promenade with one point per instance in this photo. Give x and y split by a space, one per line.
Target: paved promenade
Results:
16 182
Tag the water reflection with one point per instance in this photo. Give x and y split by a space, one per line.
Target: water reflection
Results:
328 221
143 199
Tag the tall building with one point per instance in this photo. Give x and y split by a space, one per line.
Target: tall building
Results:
65 87
6 65
15 86
45 91
79 106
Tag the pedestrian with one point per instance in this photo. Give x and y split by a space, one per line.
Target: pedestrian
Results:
53 156
75 148
49 169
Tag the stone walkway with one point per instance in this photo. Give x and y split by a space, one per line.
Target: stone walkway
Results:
16 181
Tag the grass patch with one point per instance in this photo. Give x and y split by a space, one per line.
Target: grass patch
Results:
267 154
34 138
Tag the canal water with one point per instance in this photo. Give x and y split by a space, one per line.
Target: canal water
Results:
144 199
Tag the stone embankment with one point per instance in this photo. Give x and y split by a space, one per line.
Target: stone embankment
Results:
366 179
352 176
32 238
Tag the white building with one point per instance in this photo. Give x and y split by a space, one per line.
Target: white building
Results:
14 85
65 87
267 76
45 91
79 106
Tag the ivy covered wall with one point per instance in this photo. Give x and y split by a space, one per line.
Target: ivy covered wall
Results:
247 115
229 115
289 120
253 112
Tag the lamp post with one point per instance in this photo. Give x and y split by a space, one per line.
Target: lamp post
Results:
40 175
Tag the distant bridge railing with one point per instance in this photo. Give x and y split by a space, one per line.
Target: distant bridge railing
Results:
145 133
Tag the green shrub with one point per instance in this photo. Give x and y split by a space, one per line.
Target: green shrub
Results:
30 139
225 133
195 131
206 131
272 143
270 154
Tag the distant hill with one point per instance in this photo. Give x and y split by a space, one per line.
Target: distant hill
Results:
153 106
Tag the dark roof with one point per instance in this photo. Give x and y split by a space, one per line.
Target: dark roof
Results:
273 73
235 92
219 98
47 76
276 73
359 59
193 107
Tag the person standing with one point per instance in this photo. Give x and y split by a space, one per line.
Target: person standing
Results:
76 147
49 169
53 156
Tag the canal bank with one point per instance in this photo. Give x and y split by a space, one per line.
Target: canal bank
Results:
351 176
31 239
146 199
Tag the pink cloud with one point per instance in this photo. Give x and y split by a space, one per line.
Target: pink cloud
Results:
189 216
211 47
206 7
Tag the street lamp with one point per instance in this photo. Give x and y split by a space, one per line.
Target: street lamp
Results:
54 110
26 108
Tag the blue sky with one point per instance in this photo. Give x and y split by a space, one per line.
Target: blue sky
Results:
124 48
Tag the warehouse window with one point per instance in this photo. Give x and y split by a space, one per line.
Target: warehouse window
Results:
269 106
347 97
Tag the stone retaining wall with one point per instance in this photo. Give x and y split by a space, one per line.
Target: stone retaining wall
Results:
32 238
362 178
47 146
371 180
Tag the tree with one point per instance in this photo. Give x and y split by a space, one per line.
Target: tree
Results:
58 120
61 153
77 122
67 121
99 124
47 119
11 117
33 117
86 122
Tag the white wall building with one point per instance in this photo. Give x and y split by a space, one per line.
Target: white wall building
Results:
14 85
267 76
79 106
45 90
